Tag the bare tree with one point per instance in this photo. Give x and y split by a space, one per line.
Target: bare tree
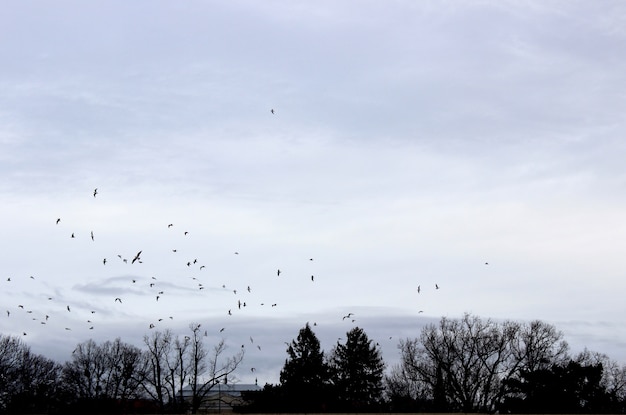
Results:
10 356
206 370
178 371
111 370
159 345
84 374
126 369
28 381
466 363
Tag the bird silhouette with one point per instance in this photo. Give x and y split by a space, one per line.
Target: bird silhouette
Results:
136 258
95 192
92 235
436 287
58 220
118 299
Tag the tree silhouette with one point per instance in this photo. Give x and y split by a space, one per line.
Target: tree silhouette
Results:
568 388
465 363
357 372
305 375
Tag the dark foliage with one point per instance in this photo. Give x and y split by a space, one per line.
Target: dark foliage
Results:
467 365
571 388
357 373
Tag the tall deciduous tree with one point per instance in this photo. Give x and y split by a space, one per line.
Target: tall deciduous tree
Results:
154 384
28 381
466 363
108 372
357 371
207 370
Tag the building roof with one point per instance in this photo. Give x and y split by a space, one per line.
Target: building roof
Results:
230 388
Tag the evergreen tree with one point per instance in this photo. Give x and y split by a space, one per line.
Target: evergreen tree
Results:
357 368
304 378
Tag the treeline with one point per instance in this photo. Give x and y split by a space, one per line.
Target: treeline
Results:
467 365
113 376
458 365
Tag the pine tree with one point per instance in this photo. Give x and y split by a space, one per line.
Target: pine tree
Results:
305 376
357 368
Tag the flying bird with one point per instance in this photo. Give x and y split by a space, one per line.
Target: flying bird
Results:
58 220
118 299
419 289
68 308
278 273
436 287
92 235
272 110
136 258
104 261
95 192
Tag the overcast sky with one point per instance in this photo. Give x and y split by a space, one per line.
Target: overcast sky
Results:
410 144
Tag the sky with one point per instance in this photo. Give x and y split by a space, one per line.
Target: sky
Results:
362 148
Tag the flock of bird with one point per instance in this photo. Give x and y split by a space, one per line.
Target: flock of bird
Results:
158 292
